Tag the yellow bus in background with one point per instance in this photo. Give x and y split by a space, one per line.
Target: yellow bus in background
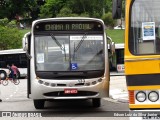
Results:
142 51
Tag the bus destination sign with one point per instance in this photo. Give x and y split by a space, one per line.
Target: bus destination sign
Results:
48 26
61 27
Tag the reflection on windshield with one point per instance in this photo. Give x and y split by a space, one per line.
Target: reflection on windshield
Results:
51 57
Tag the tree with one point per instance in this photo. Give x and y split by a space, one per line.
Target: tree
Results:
108 20
65 12
13 8
10 36
54 8
51 8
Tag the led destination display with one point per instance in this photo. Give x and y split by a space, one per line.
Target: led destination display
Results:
68 26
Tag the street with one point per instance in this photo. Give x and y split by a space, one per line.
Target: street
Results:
15 99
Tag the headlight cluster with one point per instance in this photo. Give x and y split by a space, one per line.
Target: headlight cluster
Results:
153 96
142 96
62 85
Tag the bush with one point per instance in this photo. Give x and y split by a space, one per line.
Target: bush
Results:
10 36
108 20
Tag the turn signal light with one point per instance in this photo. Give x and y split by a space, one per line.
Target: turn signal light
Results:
131 97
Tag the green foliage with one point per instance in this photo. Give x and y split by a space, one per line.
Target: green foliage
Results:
51 8
18 7
32 9
65 12
108 20
58 8
10 36
4 21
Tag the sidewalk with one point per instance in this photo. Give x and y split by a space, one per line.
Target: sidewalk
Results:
118 88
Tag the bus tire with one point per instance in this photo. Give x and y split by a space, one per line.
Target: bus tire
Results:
3 75
39 104
96 102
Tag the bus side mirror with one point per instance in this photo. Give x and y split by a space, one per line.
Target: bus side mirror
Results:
111 45
116 9
25 44
25 41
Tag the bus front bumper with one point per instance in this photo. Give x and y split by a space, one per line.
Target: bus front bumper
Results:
69 89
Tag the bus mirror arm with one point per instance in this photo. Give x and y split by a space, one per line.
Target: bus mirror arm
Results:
111 45
116 9
28 55
25 44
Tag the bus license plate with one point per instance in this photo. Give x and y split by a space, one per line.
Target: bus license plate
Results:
70 91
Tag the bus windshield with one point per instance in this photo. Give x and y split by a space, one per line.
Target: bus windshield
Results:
69 52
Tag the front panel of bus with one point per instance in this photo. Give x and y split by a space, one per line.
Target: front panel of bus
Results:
142 53
69 59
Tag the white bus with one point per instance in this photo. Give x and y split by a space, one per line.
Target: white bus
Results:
68 60
117 60
16 57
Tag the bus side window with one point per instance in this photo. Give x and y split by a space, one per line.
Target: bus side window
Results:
3 64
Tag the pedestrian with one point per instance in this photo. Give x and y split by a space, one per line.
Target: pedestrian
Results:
15 69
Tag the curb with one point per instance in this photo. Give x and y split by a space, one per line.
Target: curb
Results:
119 95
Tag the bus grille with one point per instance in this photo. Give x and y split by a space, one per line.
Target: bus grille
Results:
61 94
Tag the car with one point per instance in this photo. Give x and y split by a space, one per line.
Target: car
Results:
119 27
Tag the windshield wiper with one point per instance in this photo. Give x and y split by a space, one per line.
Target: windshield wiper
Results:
59 44
79 44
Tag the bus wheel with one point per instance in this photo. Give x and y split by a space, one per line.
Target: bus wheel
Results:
3 75
96 102
39 104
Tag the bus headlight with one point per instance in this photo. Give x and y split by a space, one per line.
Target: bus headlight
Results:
87 84
141 96
153 96
40 81
100 80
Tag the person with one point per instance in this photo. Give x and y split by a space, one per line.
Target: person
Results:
15 69
10 72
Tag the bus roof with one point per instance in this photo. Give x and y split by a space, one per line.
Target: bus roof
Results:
11 51
68 18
